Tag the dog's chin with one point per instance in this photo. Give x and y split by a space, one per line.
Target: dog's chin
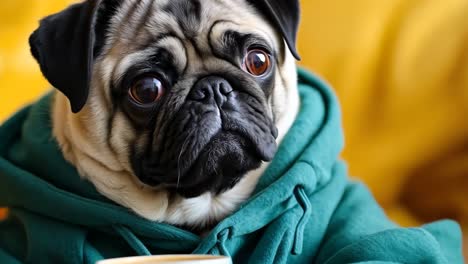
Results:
219 167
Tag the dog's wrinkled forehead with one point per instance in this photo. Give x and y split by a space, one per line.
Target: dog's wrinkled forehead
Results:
190 32
67 43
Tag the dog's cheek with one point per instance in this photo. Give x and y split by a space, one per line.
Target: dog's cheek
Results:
285 101
278 98
123 137
270 87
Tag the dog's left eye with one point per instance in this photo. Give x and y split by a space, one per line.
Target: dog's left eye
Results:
257 62
146 90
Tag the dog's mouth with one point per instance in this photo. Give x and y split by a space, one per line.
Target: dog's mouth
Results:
218 165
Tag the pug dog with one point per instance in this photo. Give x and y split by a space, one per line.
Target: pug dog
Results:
172 108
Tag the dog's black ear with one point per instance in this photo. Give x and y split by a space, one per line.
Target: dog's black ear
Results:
63 45
285 15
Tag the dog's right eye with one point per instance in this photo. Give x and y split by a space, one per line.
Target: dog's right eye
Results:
146 90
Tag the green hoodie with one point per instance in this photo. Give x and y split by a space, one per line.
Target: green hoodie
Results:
304 210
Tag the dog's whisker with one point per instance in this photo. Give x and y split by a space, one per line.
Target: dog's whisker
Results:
180 155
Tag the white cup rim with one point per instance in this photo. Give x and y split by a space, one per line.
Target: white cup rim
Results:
170 259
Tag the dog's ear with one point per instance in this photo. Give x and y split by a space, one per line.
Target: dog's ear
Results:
285 15
63 45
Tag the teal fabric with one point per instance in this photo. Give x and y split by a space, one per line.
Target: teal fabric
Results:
304 210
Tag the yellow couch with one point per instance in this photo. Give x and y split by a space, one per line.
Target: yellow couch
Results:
399 67
20 79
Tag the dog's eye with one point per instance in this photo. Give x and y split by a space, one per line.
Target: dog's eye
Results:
257 62
146 90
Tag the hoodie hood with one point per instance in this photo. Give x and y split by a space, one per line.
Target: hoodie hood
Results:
292 217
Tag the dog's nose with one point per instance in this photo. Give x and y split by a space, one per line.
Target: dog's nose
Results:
211 87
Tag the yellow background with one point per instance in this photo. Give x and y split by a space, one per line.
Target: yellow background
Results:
399 67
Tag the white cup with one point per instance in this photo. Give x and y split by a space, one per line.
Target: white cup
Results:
170 259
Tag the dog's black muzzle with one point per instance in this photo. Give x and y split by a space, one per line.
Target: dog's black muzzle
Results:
218 135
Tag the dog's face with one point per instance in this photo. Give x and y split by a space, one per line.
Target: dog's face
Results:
196 87
186 93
